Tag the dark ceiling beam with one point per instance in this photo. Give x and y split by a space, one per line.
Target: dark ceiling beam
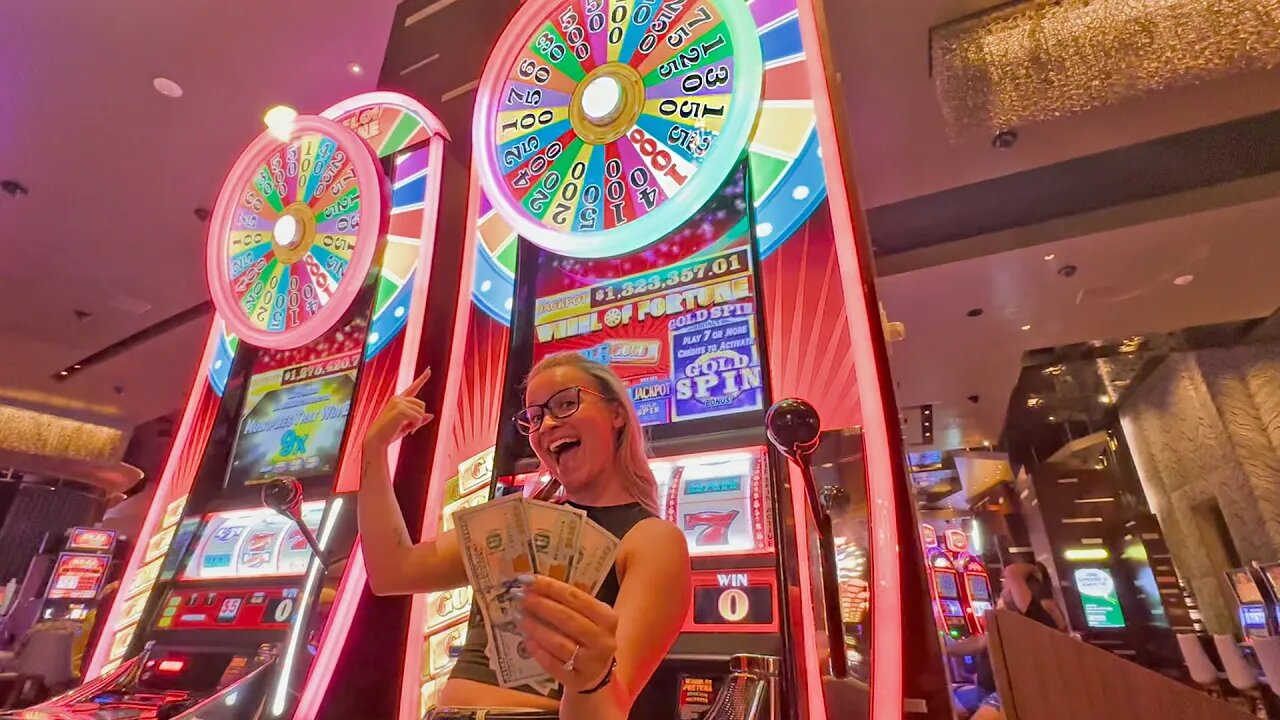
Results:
1154 178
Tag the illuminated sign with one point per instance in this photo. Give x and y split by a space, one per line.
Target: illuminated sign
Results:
91 540
1098 595
77 577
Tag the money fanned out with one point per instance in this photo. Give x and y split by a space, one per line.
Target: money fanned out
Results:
512 536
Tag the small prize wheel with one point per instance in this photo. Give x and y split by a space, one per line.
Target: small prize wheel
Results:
602 125
295 232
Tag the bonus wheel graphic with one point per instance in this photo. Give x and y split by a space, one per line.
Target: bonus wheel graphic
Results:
602 126
295 232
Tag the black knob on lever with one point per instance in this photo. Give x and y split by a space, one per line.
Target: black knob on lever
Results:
793 426
284 495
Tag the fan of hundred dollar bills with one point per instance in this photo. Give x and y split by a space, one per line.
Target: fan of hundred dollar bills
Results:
512 536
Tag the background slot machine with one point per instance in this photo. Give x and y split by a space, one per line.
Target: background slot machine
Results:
660 186
318 258
975 583
79 574
945 583
1256 610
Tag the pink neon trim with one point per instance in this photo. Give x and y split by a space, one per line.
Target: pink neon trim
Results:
886 593
411 682
372 200
352 586
392 99
159 501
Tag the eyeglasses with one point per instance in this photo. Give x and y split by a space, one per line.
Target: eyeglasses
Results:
560 405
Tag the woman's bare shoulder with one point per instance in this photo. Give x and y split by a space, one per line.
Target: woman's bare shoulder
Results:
656 540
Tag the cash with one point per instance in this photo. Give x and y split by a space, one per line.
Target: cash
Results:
554 532
505 538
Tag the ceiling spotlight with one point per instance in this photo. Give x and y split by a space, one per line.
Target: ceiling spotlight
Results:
1026 327
1183 279
1050 256
1053 418
279 120
1104 399
13 188
355 69
167 87
1004 139
976 312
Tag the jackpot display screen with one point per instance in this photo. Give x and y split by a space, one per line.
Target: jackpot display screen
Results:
77 576
677 320
295 414
257 542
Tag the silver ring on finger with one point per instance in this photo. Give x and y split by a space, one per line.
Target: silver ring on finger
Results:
568 665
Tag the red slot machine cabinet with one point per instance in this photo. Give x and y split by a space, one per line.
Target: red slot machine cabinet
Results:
576 227
319 256
944 581
975 583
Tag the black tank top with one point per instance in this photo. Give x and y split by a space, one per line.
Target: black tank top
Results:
473 663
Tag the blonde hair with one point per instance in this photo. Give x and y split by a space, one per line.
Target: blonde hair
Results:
629 451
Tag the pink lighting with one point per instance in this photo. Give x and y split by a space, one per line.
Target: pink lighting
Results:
883 467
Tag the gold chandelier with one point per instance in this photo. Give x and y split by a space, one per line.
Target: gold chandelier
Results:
36 433
1043 59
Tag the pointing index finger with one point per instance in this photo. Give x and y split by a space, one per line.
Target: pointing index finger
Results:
417 384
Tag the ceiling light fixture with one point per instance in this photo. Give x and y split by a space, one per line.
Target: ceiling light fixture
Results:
1104 399
279 120
1050 256
976 312
355 69
167 87
1026 327
1183 279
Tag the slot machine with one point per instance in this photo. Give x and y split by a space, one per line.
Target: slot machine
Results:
1255 609
1270 573
944 582
659 186
975 584
237 603
79 573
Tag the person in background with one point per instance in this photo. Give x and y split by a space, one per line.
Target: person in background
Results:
1026 591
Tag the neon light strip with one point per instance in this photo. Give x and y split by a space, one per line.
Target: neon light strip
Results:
304 607
411 680
886 591
158 503
349 591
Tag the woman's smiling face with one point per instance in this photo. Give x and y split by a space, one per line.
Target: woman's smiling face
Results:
582 447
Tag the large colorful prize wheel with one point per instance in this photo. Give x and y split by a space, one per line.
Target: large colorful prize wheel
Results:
295 232
602 125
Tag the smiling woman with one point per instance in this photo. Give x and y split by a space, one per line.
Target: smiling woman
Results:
600 650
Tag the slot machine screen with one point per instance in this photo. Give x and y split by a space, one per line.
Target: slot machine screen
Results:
77 576
252 543
947 587
978 588
677 321
295 413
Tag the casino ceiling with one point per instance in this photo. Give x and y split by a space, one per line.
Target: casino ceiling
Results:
103 255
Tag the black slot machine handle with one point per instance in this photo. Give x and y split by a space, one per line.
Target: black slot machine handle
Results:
793 426
284 495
